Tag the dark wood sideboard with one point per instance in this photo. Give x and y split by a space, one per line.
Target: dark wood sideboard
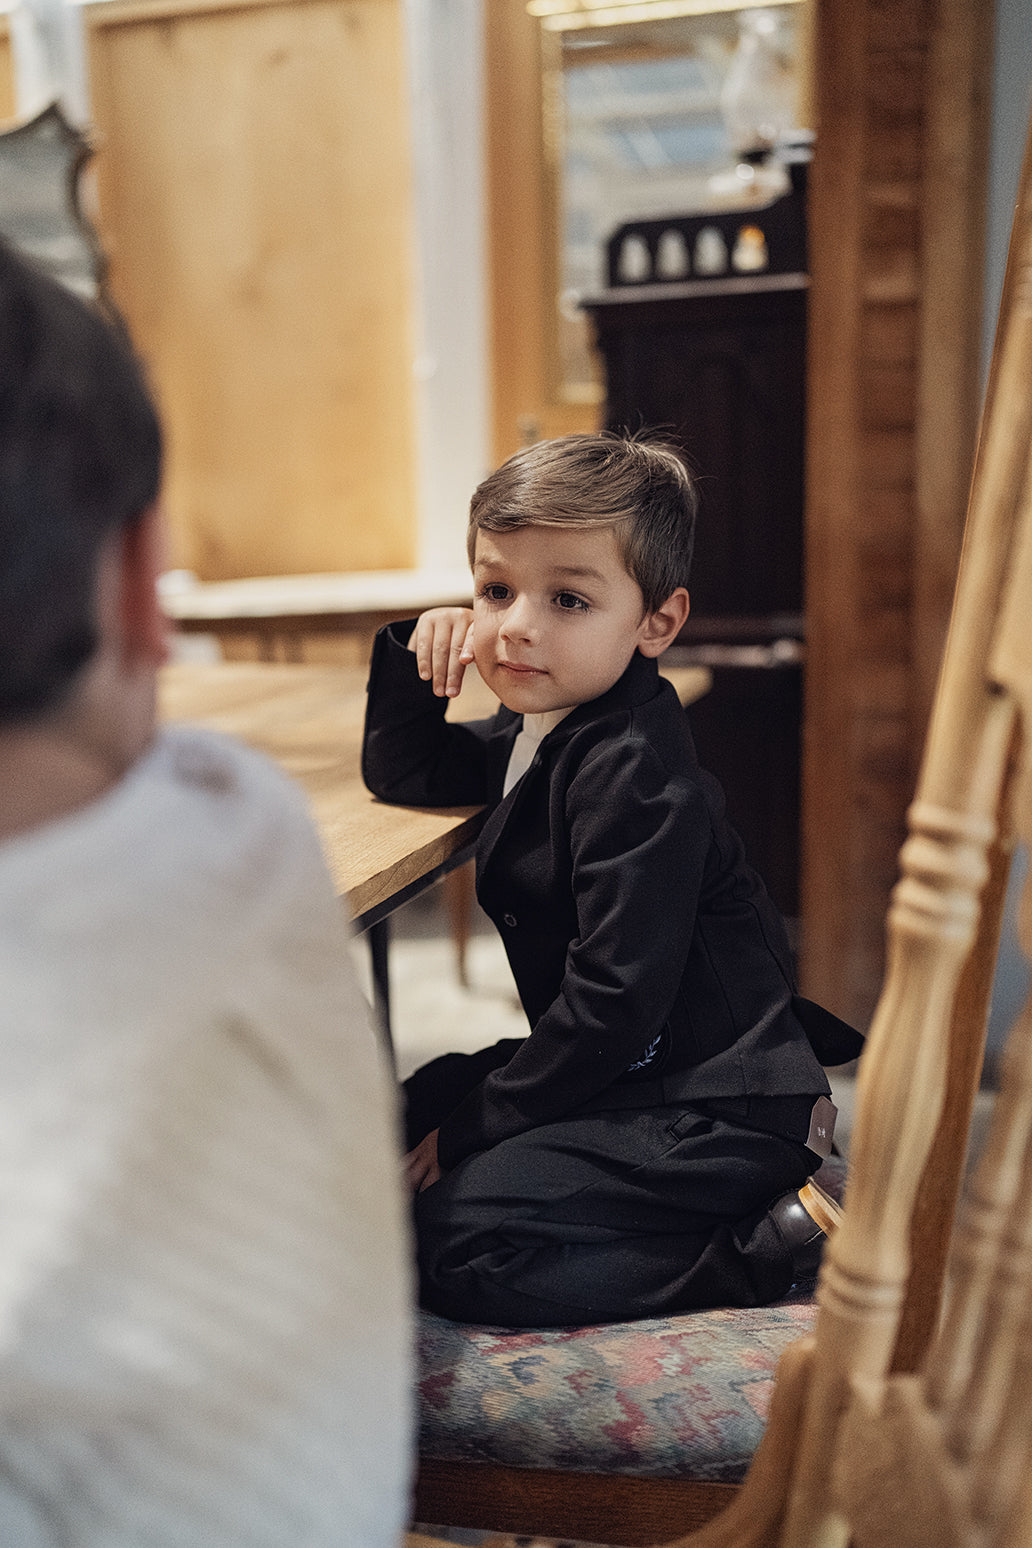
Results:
719 362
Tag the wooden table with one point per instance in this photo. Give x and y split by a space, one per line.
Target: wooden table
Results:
309 718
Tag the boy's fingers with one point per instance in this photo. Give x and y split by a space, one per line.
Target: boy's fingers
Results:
466 655
423 642
448 668
442 659
456 669
437 642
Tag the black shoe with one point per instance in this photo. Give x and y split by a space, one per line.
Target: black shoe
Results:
801 1234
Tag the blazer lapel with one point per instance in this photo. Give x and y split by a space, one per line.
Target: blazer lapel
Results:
639 682
493 831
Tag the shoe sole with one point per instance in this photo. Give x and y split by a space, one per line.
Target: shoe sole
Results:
821 1207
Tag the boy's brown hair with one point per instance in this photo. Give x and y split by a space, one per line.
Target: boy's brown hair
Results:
641 488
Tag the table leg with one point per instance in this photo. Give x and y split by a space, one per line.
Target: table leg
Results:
459 896
379 945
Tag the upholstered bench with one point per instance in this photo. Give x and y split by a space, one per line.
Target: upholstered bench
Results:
619 1433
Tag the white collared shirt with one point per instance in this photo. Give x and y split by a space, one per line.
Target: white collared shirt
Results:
529 739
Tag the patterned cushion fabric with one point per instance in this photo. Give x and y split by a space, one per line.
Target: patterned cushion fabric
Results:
669 1397
677 1397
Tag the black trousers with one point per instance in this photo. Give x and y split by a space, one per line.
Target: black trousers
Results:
607 1216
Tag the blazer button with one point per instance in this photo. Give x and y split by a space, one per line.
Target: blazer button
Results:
510 920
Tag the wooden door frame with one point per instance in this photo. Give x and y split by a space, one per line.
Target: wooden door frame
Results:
520 232
897 221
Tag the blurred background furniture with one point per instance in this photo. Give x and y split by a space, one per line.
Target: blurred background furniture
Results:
278 612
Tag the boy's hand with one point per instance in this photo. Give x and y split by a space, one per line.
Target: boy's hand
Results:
421 1165
443 643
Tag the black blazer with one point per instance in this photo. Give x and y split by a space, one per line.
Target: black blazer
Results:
636 932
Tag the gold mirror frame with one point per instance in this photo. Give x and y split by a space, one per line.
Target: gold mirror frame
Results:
556 18
567 15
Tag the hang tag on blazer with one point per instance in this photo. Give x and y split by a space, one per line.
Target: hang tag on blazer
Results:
822 1127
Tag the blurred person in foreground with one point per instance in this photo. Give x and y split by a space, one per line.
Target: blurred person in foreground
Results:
204 1324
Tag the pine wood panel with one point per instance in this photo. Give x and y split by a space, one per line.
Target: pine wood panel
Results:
255 201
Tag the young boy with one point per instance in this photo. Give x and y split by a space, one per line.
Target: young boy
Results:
203 1291
622 1161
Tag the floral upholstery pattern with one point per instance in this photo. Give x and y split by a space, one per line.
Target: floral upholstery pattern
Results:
672 1397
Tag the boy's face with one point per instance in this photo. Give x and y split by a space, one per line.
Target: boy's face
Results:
556 616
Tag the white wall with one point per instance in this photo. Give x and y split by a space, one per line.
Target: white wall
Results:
49 51
451 370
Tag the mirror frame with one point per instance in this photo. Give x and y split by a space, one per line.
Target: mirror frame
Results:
555 18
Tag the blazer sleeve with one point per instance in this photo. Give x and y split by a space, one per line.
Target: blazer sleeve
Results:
639 838
412 755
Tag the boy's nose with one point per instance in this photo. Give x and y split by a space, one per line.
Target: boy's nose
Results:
520 621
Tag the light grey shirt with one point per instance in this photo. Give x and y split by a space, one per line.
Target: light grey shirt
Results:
204 1288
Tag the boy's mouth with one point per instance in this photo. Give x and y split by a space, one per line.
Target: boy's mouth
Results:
521 670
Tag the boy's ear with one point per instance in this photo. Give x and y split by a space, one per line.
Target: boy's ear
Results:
662 627
144 627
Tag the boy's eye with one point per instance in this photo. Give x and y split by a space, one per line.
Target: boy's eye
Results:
494 591
570 602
